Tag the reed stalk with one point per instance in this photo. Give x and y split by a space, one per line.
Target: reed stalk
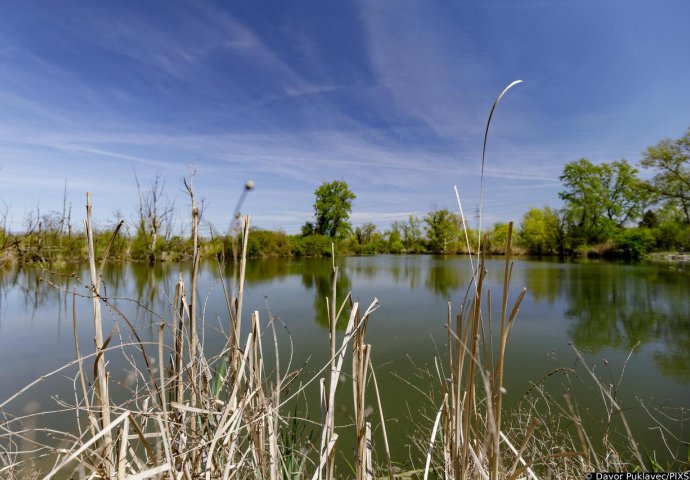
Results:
101 382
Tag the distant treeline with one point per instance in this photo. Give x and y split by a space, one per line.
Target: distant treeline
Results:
50 244
541 232
607 211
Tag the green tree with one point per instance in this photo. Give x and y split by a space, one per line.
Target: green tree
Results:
410 233
601 199
307 229
497 239
542 232
394 242
634 242
367 240
670 229
443 231
332 209
582 197
650 219
671 159
625 195
365 233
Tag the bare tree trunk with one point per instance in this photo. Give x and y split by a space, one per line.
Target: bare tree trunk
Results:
154 215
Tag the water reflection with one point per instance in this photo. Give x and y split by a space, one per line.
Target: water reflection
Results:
443 279
406 270
600 305
621 306
317 275
546 283
265 270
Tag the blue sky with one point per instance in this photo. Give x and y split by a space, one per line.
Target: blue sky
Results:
389 96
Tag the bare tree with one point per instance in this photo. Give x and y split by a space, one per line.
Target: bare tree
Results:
5 237
155 213
66 217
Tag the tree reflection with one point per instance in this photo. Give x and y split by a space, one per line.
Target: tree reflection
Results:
443 278
607 305
620 306
149 281
675 361
268 269
545 283
317 275
406 269
39 287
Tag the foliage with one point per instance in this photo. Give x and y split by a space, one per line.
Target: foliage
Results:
624 195
365 233
671 159
541 232
266 243
602 203
176 248
311 246
212 247
308 229
409 234
649 219
496 239
366 240
600 199
139 247
672 235
332 209
633 242
443 231
394 242
102 239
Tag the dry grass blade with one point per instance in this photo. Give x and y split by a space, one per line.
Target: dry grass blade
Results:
106 254
433 437
518 453
614 403
122 453
107 430
383 423
368 464
486 137
151 472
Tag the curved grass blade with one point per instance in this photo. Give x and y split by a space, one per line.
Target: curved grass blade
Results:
481 178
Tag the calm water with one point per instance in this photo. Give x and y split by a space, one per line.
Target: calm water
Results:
605 309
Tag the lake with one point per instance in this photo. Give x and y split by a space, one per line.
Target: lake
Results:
607 310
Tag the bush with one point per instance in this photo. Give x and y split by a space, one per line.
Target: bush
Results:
633 242
671 235
101 240
311 246
177 248
266 243
139 248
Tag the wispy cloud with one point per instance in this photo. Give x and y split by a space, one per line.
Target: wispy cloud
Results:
389 96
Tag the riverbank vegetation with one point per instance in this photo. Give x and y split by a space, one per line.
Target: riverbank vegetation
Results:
607 210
